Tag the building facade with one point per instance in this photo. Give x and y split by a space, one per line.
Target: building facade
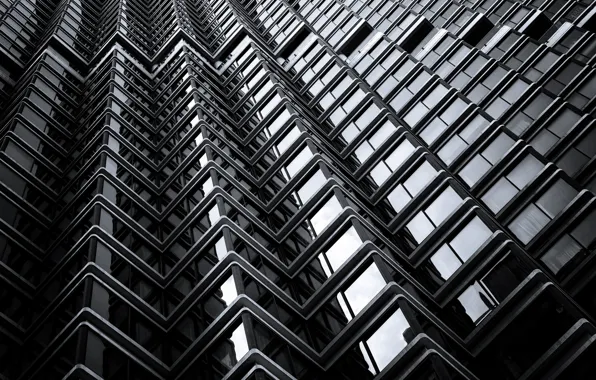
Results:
272 189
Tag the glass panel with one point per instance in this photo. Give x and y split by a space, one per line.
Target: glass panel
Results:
561 253
474 170
399 198
474 128
288 140
228 290
496 150
525 171
380 173
364 151
343 248
556 198
471 237
454 111
311 186
476 301
325 215
499 195
433 130
389 340
420 178
452 149
415 114
399 155
364 289
220 248
584 232
299 161
420 227
238 349
445 261
444 205
382 134
529 223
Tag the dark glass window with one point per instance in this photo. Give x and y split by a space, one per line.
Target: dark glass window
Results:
538 214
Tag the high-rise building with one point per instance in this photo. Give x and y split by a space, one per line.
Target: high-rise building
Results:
272 189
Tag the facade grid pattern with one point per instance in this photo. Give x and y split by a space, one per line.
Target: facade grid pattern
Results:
297 189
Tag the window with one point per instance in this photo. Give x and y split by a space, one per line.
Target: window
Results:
557 127
572 247
563 77
21 156
269 105
336 92
364 289
401 26
326 25
230 354
325 215
441 122
396 158
403 193
311 186
498 106
450 256
522 54
360 123
479 91
35 119
341 250
307 57
499 11
461 140
374 13
504 45
530 112
482 162
373 142
457 57
346 107
444 15
579 154
277 123
250 82
574 12
538 214
460 21
477 301
493 285
407 93
470 70
425 222
374 53
391 82
545 63
438 51
586 52
343 29
289 138
298 162
316 68
508 186
584 93
513 20
389 20
421 108
389 339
